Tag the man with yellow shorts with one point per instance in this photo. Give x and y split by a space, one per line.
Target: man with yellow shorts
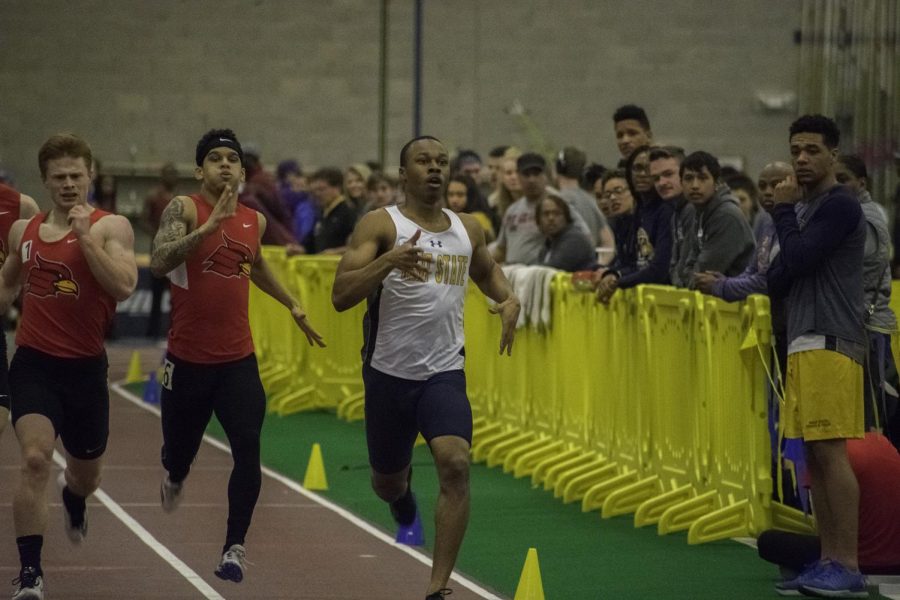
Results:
822 233
819 382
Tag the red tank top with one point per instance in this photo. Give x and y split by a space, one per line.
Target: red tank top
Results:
210 290
9 214
65 310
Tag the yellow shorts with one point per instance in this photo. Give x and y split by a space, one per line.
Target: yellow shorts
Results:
824 396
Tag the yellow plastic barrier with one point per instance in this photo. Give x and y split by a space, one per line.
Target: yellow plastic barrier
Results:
275 349
336 368
520 404
895 306
653 405
670 420
295 376
734 485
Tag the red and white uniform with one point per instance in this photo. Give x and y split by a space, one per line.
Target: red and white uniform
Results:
10 203
211 289
65 310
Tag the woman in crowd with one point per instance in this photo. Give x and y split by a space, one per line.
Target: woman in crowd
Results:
462 195
593 182
616 194
355 178
510 188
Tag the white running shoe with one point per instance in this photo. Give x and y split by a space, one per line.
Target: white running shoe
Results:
232 565
31 585
170 494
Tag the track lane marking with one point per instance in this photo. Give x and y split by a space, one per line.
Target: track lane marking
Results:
293 485
145 536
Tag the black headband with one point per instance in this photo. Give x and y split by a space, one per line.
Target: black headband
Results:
218 142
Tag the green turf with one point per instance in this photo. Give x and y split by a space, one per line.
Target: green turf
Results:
581 555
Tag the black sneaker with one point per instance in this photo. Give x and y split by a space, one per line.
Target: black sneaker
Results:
31 585
76 525
404 509
441 593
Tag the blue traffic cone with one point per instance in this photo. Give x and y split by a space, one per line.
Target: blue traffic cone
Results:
412 534
151 389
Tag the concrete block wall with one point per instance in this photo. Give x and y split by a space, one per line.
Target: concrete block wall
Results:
143 80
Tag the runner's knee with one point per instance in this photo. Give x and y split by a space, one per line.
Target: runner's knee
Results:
453 471
389 487
84 484
35 464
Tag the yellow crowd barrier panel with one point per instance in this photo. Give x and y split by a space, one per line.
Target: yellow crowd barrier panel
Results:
337 368
654 404
619 405
513 391
670 406
297 377
734 487
895 306
275 348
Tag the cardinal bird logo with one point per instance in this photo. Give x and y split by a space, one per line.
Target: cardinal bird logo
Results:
50 278
230 259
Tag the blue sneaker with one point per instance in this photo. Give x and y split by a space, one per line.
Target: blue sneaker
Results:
791 587
834 580
412 534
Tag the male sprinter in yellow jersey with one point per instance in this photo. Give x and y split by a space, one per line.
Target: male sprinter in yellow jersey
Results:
413 265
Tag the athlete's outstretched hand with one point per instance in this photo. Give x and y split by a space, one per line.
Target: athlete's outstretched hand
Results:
410 259
509 316
312 336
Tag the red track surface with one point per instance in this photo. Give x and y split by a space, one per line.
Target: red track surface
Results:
298 548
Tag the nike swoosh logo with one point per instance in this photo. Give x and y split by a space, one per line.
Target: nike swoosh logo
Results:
246 225
71 241
5 212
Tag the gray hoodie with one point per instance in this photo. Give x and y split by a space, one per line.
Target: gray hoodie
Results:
724 241
684 240
877 268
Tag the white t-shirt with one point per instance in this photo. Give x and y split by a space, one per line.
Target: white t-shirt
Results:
414 329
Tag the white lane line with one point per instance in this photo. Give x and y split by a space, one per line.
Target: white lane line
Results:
365 526
148 539
213 505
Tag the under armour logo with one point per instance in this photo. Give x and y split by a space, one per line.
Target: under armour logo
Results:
436 243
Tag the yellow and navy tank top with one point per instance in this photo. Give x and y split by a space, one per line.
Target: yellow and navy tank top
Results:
414 329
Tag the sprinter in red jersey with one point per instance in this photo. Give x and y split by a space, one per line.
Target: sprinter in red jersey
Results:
13 206
73 264
209 246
